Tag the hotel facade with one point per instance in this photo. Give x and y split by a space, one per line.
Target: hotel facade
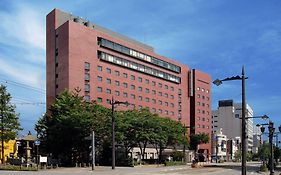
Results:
104 64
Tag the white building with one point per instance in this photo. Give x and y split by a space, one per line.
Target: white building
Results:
227 117
256 139
219 146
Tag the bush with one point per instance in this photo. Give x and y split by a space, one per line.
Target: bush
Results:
17 168
174 163
263 168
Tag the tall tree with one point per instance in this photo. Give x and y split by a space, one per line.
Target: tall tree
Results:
10 124
196 139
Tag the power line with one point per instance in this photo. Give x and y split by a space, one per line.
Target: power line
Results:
26 103
43 91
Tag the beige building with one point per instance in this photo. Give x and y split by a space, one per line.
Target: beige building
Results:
227 117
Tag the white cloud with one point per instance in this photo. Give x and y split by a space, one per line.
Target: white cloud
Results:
22 73
22 27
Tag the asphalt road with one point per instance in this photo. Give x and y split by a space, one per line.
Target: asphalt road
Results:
215 169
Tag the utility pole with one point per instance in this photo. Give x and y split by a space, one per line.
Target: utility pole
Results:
244 138
93 151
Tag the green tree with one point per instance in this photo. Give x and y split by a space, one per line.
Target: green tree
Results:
66 125
197 139
10 124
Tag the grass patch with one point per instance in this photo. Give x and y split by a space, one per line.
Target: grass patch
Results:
174 163
17 168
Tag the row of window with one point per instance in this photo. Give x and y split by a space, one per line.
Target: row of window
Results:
203 119
139 67
136 54
87 82
160 111
203 97
203 112
202 104
203 90
133 96
133 87
203 126
140 79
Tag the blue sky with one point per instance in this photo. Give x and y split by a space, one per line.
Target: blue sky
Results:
215 36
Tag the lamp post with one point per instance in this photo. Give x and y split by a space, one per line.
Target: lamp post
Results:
244 139
271 131
113 103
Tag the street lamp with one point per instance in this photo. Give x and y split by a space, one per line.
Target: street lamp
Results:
271 131
113 103
244 138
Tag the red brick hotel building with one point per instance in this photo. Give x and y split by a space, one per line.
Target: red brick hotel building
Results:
104 63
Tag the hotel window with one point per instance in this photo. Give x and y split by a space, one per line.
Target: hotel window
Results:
140 98
198 88
166 112
99 89
99 100
108 81
172 88
207 91
172 105
117 73
166 86
172 97
87 98
198 95
166 103
87 66
140 106
160 111
140 79
198 103
203 126
87 88
133 96
153 101
207 127
203 97
117 93
159 84
146 81
172 113
132 77
159 102
108 101
166 95
203 112
125 94
108 91
108 70
133 87
99 68
153 83
117 83
203 119
153 92
198 111
125 85
153 110
125 75
203 104
208 98
99 79
87 76
208 105
160 94
203 90
140 88
198 126
146 99
147 91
